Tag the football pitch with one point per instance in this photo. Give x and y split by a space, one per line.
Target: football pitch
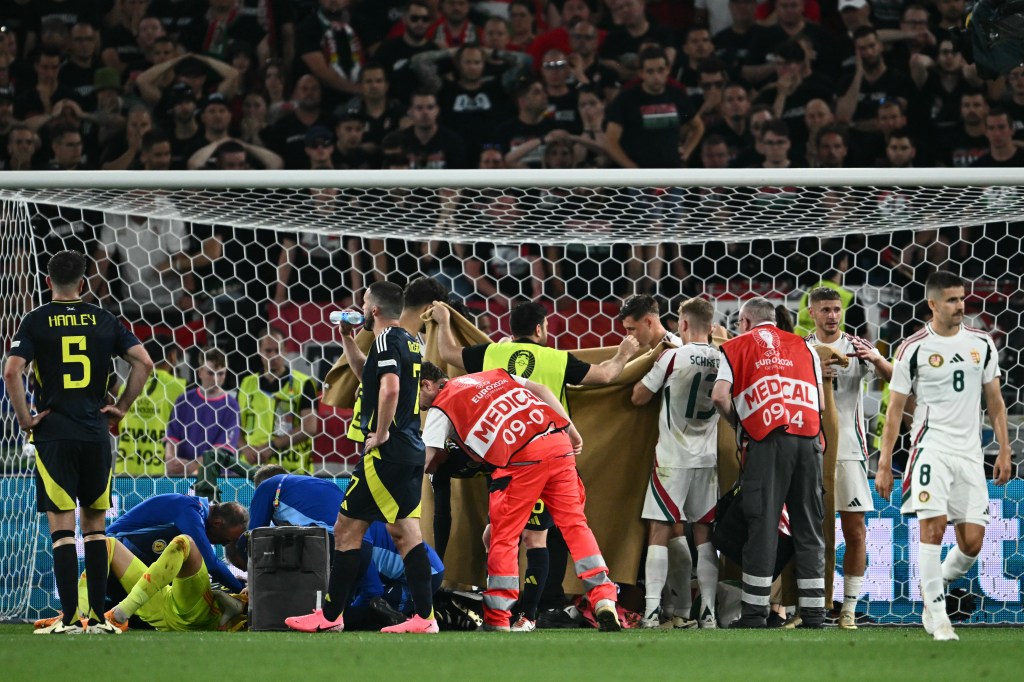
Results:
564 655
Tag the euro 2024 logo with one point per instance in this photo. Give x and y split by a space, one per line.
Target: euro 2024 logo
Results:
768 339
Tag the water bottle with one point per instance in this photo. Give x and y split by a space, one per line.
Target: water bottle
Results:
352 317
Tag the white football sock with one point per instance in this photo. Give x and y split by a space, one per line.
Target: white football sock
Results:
851 591
932 591
680 575
655 574
707 575
956 565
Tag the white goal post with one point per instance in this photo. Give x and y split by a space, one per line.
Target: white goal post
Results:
226 254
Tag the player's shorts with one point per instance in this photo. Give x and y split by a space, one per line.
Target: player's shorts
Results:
540 518
70 470
942 484
853 494
381 490
677 494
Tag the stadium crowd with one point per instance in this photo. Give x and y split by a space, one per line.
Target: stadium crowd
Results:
234 84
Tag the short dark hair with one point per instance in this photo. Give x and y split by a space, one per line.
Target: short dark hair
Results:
712 65
638 305
229 147
791 52
153 137
823 294
66 268
939 280
901 133
431 372
424 290
267 471
232 513
651 53
777 126
389 297
58 132
524 84
216 357
866 30
832 129
1000 110
525 317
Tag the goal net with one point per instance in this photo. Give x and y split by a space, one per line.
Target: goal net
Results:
193 260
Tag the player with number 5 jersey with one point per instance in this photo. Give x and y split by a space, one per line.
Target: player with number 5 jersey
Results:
71 345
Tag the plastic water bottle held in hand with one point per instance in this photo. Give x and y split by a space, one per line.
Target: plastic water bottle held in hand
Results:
352 317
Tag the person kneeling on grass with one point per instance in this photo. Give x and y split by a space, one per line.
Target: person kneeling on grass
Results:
172 594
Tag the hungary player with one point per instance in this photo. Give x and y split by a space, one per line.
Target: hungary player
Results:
947 367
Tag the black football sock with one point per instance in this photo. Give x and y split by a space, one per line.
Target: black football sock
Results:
421 586
65 573
96 565
344 571
536 576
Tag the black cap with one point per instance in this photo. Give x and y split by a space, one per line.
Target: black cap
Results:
215 98
346 115
319 135
181 92
791 52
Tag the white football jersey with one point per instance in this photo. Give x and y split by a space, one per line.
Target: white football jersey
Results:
688 423
946 374
848 390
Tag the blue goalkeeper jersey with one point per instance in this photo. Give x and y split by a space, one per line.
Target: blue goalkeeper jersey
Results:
290 500
149 527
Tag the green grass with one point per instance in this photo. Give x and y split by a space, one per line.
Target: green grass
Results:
828 655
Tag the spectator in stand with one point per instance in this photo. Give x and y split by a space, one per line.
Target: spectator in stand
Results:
472 104
913 38
34 105
714 152
900 149
130 47
153 267
500 62
951 19
331 51
817 115
592 140
153 83
212 31
425 144
230 153
1002 152
215 117
732 44
123 151
286 137
871 82
523 136
396 54
832 146
697 47
254 118
22 147
620 49
78 72
1015 104
562 99
940 84
964 144
155 153
319 144
584 65
522 24
646 123
869 148
732 127
854 14
711 80
789 94
349 153
491 157
558 37
454 28
381 114
183 128
204 418
776 144
66 145
790 22
274 77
